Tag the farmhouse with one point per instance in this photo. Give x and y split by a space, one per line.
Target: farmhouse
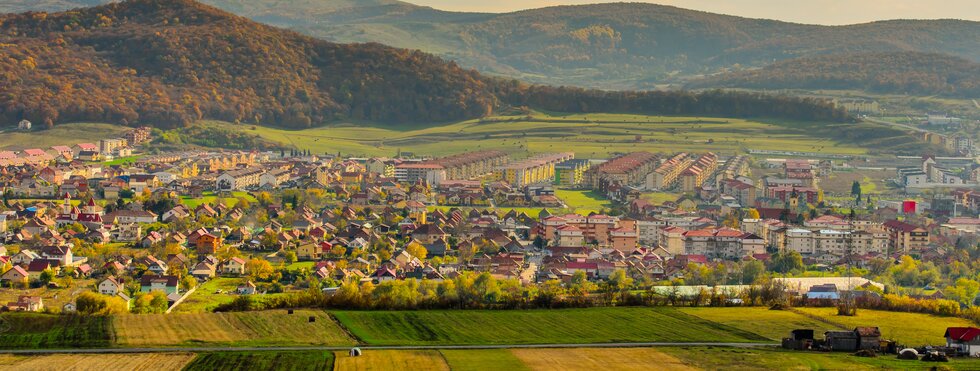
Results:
965 339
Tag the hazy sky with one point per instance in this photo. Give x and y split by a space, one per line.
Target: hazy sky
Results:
831 12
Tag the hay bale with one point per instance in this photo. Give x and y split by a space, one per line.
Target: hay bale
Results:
908 354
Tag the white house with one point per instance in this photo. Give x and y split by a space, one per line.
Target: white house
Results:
110 286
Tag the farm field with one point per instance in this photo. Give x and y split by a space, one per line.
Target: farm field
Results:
484 359
593 325
124 362
243 361
66 134
910 329
422 360
586 359
872 181
773 324
33 330
721 358
265 328
589 135
148 361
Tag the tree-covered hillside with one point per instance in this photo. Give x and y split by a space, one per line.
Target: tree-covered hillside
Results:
895 73
611 46
172 62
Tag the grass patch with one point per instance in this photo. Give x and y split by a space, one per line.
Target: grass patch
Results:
236 361
34 330
64 135
213 199
910 329
391 360
773 324
265 328
721 358
658 198
204 299
483 359
583 202
593 325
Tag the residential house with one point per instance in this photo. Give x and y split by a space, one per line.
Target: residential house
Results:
234 266
167 284
111 286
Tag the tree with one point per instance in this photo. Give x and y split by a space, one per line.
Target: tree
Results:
94 304
752 214
751 271
290 257
856 190
786 261
259 269
188 282
46 276
417 250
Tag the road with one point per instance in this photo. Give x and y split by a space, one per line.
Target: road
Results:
368 348
903 126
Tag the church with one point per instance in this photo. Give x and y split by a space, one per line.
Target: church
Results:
90 214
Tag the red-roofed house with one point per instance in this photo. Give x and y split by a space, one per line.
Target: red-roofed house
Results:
965 339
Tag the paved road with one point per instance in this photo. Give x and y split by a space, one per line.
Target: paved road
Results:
366 348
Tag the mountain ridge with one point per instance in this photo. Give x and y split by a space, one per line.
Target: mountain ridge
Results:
609 46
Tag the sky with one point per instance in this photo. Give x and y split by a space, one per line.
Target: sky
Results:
827 12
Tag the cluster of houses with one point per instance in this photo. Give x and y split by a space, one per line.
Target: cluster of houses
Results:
442 206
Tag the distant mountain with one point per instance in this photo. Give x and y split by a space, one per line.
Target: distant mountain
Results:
612 46
895 72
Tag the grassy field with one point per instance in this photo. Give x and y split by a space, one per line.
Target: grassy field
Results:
211 198
594 325
241 329
589 135
773 324
911 329
32 330
391 360
67 135
204 298
241 361
583 202
485 359
719 358
658 198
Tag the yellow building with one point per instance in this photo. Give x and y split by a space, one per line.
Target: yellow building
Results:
538 169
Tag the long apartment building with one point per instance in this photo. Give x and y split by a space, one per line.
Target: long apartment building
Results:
830 246
695 175
667 173
575 230
239 179
713 243
571 172
461 166
537 169
628 169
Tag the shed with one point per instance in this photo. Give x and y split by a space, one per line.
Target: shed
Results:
868 338
845 341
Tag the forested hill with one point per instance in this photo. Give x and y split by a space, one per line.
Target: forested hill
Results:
609 46
172 62
895 73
